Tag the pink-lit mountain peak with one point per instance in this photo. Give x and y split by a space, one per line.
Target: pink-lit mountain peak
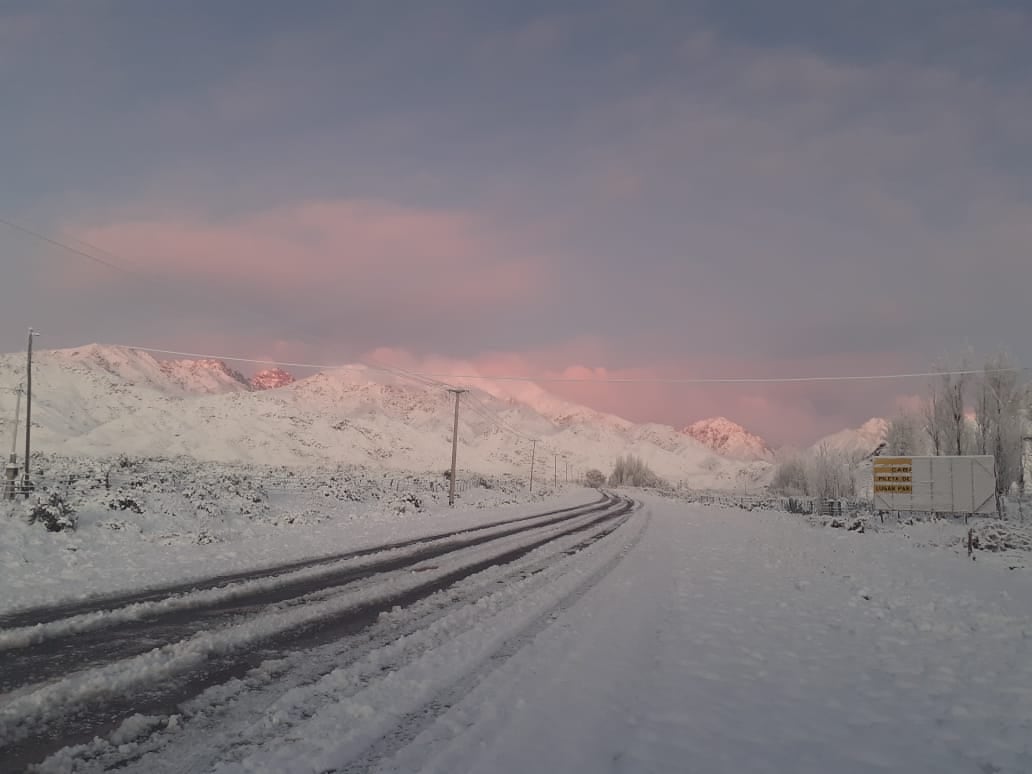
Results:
729 439
271 379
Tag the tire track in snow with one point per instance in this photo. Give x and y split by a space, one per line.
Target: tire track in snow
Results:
416 721
36 616
74 709
224 722
94 638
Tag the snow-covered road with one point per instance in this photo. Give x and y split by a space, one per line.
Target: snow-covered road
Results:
677 638
69 678
731 642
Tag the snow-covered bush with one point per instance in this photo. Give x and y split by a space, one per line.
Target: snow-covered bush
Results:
406 502
53 513
632 471
799 506
595 478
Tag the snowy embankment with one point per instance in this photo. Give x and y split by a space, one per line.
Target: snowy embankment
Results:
143 523
1006 539
690 638
754 642
694 639
28 706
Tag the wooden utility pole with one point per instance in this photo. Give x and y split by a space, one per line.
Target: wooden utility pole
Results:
26 481
556 471
454 446
17 410
567 471
11 469
533 449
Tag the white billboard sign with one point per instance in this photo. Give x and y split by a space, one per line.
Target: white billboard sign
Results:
935 484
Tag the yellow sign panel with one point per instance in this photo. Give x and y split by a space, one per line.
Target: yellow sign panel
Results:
892 475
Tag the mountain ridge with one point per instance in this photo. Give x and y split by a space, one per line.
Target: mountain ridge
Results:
103 401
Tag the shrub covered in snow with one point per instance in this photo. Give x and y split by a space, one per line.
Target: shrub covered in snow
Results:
632 471
181 500
53 513
1000 536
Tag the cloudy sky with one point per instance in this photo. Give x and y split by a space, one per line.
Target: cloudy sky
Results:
608 187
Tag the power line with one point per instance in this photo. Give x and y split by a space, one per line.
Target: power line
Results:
414 376
69 248
435 377
727 380
495 422
496 418
488 418
283 363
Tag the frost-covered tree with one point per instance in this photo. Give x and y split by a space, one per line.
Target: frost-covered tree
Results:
998 420
996 396
830 474
903 438
945 415
790 475
632 471
595 478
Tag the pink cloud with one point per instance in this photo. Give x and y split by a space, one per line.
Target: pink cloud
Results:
793 413
415 258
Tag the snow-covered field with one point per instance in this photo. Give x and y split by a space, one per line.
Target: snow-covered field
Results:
680 637
732 642
145 522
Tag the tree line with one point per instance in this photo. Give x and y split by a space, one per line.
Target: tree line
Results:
964 411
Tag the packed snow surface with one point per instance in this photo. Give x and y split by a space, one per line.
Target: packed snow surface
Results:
153 522
727 642
693 638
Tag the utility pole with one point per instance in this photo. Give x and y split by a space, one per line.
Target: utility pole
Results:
11 471
567 471
533 449
1026 451
26 481
556 471
454 446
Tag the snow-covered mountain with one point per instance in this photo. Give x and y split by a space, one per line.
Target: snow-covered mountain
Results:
857 442
729 439
99 401
139 369
271 379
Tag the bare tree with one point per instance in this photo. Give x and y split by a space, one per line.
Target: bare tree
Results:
931 414
944 415
632 471
998 418
903 438
1026 446
830 474
790 475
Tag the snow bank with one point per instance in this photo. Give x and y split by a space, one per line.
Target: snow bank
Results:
150 522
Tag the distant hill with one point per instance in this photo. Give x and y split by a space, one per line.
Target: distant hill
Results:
100 401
